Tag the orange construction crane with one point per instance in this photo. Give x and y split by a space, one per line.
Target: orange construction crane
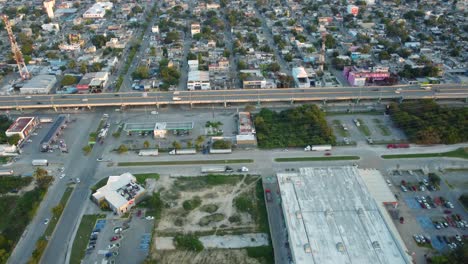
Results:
22 69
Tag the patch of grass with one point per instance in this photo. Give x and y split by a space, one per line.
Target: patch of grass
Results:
189 205
449 185
234 218
209 208
154 205
99 184
141 178
244 204
262 215
9 183
383 128
264 254
188 242
339 128
196 183
296 159
461 153
63 202
206 220
363 128
187 162
82 237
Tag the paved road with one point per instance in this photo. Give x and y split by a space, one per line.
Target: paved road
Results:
444 91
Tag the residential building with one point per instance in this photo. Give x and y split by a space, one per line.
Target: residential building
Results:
300 77
39 84
98 10
198 80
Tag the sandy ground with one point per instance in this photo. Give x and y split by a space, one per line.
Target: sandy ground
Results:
221 195
209 256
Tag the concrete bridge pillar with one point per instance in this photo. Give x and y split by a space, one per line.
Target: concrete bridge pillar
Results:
225 104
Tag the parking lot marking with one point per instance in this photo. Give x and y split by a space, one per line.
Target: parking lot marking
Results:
412 203
425 222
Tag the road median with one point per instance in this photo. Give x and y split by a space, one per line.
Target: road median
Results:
331 158
461 153
185 162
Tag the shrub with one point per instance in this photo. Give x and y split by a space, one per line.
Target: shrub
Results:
188 242
244 204
189 205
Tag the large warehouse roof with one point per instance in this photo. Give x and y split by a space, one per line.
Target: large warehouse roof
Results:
332 218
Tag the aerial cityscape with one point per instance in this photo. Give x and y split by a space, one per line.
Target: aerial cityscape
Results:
246 131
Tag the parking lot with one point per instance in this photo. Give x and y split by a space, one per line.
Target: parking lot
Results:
358 128
432 215
120 239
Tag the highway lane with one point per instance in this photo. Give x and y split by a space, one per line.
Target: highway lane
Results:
451 91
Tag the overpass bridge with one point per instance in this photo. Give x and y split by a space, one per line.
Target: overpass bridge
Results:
235 96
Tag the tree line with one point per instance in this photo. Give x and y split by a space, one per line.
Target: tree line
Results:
296 127
425 122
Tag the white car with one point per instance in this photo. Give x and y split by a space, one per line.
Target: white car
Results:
117 230
78 180
46 221
149 217
62 176
111 246
28 97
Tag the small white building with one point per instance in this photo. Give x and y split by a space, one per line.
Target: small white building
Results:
192 65
8 150
40 84
195 28
98 10
301 78
198 80
121 193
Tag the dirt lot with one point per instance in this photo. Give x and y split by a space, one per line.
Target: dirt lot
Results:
208 205
232 256
216 210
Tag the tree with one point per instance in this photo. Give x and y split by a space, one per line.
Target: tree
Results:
104 205
288 57
122 149
99 41
87 149
330 41
146 144
57 210
434 178
83 67
142 72
249 108
13 140
189 144
42 178
68 80
188 242
222 144
176 145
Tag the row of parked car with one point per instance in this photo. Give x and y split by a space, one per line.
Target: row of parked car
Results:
421 239
452 241
421 186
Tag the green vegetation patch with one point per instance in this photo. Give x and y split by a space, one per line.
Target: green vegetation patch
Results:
244 204
188 242
189 205
141 178
364 128
13 183
82 237
209 208
57 211
426 122
5 123
208 219
384 131
185 162
264 254
461 153
327 158
464 200
153 204
196 183
296 127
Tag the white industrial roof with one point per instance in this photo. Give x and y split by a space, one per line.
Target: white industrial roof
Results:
332 218
198 76
40 81
114 183
299 72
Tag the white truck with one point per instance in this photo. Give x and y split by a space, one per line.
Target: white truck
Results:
182 152
148 152
220 151
6 172
318 148
216 169
45 120
40 162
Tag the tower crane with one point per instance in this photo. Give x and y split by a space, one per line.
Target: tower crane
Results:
17 54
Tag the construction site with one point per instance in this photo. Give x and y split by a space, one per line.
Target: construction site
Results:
223 212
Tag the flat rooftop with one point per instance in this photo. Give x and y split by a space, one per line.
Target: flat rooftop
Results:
20 124
158 126
332 218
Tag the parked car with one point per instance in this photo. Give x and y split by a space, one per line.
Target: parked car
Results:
117 230
402 220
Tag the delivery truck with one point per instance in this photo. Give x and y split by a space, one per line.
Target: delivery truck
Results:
182 152
40 162
6 172
318 148
148 152
220 151
216 169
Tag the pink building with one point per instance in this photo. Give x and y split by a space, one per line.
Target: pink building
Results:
359 77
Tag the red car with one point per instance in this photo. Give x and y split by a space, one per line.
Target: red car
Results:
115 238
402 220
327 154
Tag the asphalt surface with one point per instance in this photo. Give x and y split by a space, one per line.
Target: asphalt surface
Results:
445 91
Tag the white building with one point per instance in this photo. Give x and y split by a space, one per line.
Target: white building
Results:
301 78
98 10
50 27
8 150
155 29
192 65
198 80
40 84
332 217
121 193
69 47
49 8
195 28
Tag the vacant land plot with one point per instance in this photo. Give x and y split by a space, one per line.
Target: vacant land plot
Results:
13 183
212 205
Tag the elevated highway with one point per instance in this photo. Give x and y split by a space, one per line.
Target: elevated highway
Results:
400 92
